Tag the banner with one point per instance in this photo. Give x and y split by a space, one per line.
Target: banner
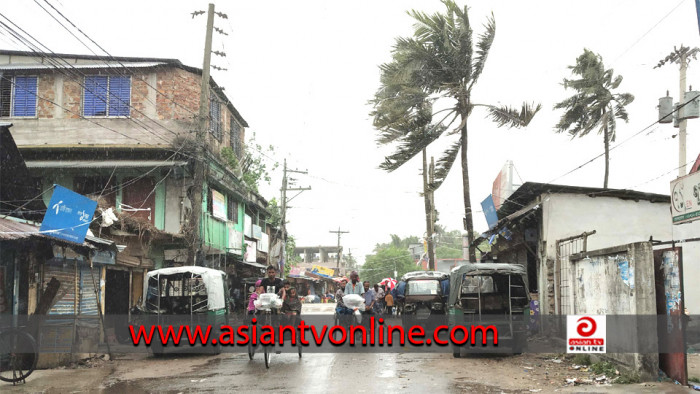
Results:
235 238
324 271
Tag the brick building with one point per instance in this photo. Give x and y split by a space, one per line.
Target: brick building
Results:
121 130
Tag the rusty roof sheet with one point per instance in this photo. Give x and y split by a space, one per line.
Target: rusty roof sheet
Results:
10 229
14 229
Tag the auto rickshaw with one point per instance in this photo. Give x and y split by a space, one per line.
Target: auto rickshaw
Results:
423 297
187 296
490 294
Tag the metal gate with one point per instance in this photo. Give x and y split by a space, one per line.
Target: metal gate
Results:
562 270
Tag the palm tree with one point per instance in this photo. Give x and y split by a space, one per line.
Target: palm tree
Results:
594 105
439 61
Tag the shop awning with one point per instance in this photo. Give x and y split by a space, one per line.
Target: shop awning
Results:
255 264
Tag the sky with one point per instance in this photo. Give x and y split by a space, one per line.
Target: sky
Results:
301 73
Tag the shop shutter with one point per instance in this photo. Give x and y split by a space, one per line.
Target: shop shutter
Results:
66 275
88 300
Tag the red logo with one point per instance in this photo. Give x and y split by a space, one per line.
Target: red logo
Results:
587 327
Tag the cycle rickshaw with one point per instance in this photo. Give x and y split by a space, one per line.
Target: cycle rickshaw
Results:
268 307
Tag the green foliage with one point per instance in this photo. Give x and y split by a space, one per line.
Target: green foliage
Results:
694 379
275 213
397 243
252 167
594 105
604 368
292 260
582 359
382 264
442 60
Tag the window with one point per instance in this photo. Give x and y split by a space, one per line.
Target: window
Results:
106 96
18 96
215 119
232 210
236 138
94 186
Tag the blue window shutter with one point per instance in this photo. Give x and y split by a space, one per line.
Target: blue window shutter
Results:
119 96
25 96
95 96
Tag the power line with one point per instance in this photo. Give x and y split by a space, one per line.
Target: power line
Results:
105 51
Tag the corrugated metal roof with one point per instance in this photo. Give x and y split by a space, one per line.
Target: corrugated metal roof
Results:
43 66
10 229
102 164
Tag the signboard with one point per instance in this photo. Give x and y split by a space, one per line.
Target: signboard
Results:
68 215
218 205
264 243
251 252
248 226
489 211
257 232
323 271
585 334
235 238
503 185
685 200
297 271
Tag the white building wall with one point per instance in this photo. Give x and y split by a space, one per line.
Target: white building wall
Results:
619 222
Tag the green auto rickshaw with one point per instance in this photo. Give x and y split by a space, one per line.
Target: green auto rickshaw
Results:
490 294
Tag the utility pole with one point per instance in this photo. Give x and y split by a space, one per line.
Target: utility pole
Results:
682 57
429 209
200 142
284 190
338 232
433 215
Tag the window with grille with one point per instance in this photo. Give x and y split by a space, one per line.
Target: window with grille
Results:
215 119
18 96
106 96
236 138
232 210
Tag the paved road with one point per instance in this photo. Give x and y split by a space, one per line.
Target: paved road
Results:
327 373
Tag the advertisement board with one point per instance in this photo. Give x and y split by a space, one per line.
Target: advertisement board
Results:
685 198
218 205
68 215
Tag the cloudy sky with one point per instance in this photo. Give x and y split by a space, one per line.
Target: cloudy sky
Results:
301 73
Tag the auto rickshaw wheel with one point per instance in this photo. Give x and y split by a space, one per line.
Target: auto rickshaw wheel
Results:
456 352
157 349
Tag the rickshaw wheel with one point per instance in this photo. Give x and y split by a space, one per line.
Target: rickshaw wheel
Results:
251 350
267 357
456 352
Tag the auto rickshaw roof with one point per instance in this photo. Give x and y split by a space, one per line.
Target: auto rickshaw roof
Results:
213 281
457 274
437 275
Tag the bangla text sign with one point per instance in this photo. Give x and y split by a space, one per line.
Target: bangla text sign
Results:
68 215
685 198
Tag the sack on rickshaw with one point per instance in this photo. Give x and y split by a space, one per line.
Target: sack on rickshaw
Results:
353 301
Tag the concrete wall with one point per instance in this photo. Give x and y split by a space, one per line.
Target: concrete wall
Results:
619 281
617 222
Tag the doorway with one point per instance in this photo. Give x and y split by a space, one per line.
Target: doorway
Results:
117 304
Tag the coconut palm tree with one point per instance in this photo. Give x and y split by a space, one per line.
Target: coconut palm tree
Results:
439 62
594 105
